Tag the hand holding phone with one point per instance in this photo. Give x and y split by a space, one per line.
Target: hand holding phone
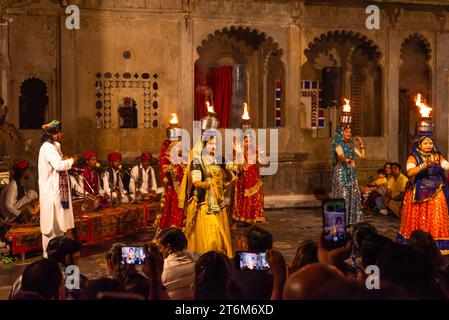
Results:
334 223
251 261
132 255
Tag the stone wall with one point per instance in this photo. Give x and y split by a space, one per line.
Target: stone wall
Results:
163 37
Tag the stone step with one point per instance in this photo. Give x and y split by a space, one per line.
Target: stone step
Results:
294 201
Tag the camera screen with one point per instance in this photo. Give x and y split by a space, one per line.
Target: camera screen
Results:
253 261
133 255
334 221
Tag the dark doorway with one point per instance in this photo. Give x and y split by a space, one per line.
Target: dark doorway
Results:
33 103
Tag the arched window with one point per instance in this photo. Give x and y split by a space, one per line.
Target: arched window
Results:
33 103
238 65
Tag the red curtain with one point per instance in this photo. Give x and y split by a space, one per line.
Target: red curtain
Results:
214 85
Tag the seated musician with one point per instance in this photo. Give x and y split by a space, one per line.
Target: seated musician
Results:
143 180
112 180
88 182
14 197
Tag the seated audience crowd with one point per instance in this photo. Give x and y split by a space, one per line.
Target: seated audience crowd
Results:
170 271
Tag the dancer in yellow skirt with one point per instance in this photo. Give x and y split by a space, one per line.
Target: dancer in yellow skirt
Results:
202 195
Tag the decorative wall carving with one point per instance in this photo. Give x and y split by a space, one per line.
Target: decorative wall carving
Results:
145 85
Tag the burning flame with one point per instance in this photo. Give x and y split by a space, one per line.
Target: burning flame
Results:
424 109
245 115
174 118
346 107
210 108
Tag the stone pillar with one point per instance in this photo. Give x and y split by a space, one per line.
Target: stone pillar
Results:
292 60
391 89
68 89
186 95
4 63
440 91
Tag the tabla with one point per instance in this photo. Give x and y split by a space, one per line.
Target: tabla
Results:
33 207
85 205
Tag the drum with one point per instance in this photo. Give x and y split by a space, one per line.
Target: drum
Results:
85 205
33 207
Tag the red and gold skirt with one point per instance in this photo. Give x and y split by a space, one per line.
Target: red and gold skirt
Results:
429 216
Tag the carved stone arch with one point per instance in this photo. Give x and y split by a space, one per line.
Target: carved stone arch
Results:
241 33
360 40
421 41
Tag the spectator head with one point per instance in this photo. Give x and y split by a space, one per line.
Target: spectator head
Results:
371 248
404 266
259 240
387 168
171 240
44 278
212 277
443 280
26 295
361 231
94 287
424 242
115 269
312 281
381 173
396 169
306 253
63 250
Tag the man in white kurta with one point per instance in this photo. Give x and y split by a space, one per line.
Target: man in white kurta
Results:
143 179
14 197
112 180
54 219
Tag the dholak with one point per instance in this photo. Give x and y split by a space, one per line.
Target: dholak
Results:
84 205
33 207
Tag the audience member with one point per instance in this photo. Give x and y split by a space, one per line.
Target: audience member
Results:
65 251
395 192
424 242
94 287
306 253
213 278
375 190
314 281
178 275
43 278
127 274
256 285
404 266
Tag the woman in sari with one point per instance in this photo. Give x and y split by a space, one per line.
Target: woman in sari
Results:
202 194
344 182
247 198
425 204
171 176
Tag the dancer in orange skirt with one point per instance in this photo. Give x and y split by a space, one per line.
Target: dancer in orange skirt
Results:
247 199
425 205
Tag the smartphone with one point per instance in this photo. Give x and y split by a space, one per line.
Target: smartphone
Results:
251 261
132 255
334 223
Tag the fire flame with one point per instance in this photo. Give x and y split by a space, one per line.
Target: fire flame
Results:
424 109
245 115
210 108
174 118
346 107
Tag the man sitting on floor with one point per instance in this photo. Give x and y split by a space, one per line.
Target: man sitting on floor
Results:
112 180
143 180
395 192
14 197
